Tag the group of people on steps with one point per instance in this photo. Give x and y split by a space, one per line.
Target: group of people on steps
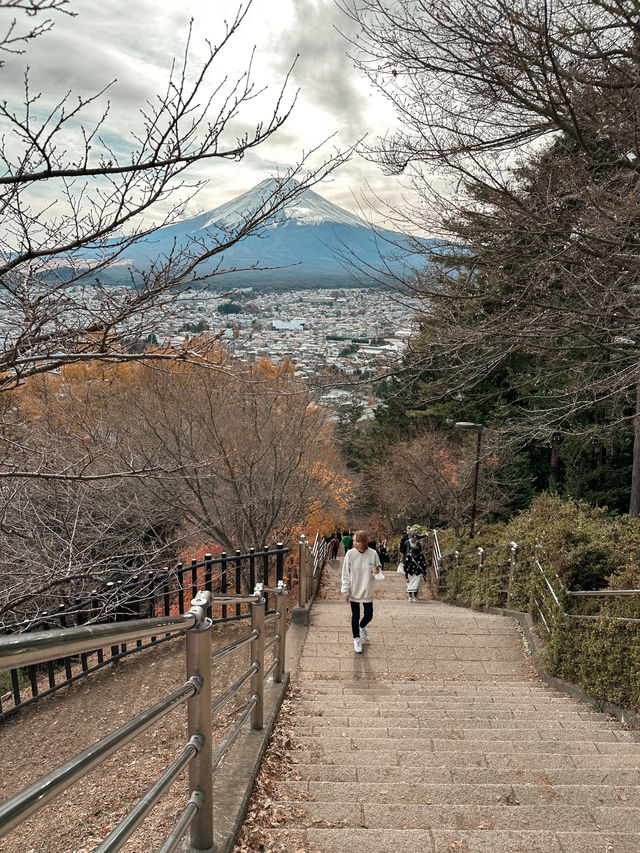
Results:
361 566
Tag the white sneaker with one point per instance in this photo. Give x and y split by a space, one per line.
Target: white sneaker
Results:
365 635
357 645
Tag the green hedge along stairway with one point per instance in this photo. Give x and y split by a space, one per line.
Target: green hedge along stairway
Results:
440 738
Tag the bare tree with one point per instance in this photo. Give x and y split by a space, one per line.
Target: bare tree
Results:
57 255
519 128
254 455
80 493
428 478
150 461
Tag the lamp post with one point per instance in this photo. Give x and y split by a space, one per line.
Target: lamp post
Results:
478 428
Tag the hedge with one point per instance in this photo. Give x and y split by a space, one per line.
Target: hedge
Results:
582 548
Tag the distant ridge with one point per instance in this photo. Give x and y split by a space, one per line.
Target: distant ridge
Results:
306 244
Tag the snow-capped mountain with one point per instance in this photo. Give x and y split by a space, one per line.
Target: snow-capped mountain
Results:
306 243
309 208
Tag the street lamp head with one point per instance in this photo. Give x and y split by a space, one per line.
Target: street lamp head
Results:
468 425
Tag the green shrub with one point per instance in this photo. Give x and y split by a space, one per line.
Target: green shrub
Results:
582 548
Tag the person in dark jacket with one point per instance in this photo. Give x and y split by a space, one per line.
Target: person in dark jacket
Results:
382 552
402 547
333 546
415 566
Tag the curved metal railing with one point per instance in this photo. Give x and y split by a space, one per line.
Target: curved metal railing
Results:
311 561
558 595
197 755
161 593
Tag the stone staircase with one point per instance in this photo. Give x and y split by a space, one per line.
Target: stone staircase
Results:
439 738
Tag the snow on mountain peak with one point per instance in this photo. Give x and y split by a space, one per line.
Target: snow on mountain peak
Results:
307 208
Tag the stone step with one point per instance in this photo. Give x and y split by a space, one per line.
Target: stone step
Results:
406 726
317 840
410 687
440 702
396 637
455 693
321 710
433 687
323 652
515 794
365 772
612 743
534 758
462 816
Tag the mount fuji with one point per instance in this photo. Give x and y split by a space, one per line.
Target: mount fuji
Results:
306 244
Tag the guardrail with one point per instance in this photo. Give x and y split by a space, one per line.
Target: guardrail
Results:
311 561
157 593
559 597
560 600
507 557
198 754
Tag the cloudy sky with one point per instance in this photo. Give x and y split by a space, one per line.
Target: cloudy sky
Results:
135 41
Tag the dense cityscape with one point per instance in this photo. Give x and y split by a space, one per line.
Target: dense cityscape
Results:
334 334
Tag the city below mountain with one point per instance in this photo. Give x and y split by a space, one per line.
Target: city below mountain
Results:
310 242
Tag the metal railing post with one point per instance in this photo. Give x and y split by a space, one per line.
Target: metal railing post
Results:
480 559
279 561
257 657
281 628
198 642
513 548
302 574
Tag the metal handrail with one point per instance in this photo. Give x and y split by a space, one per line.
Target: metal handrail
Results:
29 800
272 643
197 754
90 669
310 562
243 598
601 616
567 592
535 601
18 650
224 697
132 821
190 811
613 592
236 644
233 732
273 666
158 577
548 582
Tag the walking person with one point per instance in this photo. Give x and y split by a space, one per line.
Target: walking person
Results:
334 544
347 541
415 566
360 566
404 540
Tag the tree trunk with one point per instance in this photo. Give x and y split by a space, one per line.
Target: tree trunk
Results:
554 473
634 503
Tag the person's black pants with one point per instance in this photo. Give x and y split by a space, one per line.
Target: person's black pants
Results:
356 622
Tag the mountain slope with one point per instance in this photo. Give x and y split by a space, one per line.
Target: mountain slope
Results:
307 243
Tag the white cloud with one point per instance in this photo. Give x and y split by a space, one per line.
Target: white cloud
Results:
135 41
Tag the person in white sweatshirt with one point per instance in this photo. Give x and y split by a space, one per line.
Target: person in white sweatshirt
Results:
360 566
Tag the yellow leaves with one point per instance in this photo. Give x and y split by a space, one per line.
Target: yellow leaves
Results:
266 369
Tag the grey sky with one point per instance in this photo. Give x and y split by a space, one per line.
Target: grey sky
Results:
136 40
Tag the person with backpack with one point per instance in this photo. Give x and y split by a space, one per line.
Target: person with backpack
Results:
415 566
